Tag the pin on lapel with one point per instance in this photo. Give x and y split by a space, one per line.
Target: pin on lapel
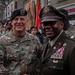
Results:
59 43
64 44
72 37
54 47
55 61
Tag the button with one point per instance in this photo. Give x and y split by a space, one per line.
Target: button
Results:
54 66
72 37
55 61
54 47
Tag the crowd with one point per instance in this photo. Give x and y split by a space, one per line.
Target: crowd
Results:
5 28
51 52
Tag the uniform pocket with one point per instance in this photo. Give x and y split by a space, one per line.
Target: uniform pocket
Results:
55 64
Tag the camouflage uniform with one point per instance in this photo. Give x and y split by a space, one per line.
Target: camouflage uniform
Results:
18 54
71 32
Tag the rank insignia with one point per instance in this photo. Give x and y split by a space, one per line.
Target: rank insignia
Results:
54 47
64 44
59 53
72 37
46 10
55 61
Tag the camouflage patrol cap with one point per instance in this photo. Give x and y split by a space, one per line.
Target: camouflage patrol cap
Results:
50 13
18 12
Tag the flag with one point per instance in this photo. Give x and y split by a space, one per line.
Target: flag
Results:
38 8
16 4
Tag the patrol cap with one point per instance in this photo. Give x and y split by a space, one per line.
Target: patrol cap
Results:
50 13
18 12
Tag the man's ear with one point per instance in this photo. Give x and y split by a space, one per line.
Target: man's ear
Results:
62 25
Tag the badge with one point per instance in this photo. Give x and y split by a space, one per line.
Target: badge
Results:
59 43
64 44
59 53
54 47
46 10
55 61
72 37
22 12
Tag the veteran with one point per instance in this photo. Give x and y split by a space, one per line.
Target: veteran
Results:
71 28
58 57
19 50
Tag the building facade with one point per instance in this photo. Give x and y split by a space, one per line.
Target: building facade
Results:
2 7
69 5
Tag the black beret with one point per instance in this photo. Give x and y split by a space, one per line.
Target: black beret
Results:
18 12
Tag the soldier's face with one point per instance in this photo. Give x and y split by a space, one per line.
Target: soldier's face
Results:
19 24
53 28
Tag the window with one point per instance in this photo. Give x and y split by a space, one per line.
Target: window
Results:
61 1
26 1
46 2
49 2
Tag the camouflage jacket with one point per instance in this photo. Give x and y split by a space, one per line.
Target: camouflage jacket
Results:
18 54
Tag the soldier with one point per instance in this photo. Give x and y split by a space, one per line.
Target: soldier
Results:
19 50
58 57
71 28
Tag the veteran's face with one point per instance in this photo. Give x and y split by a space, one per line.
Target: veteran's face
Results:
19 24
53 28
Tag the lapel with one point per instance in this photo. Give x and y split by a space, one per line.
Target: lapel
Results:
45 49
54 48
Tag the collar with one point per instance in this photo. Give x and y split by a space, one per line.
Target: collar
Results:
12 37
53 41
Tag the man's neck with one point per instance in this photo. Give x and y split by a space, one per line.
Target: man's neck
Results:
19 33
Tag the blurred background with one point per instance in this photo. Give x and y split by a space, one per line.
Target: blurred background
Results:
33 7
